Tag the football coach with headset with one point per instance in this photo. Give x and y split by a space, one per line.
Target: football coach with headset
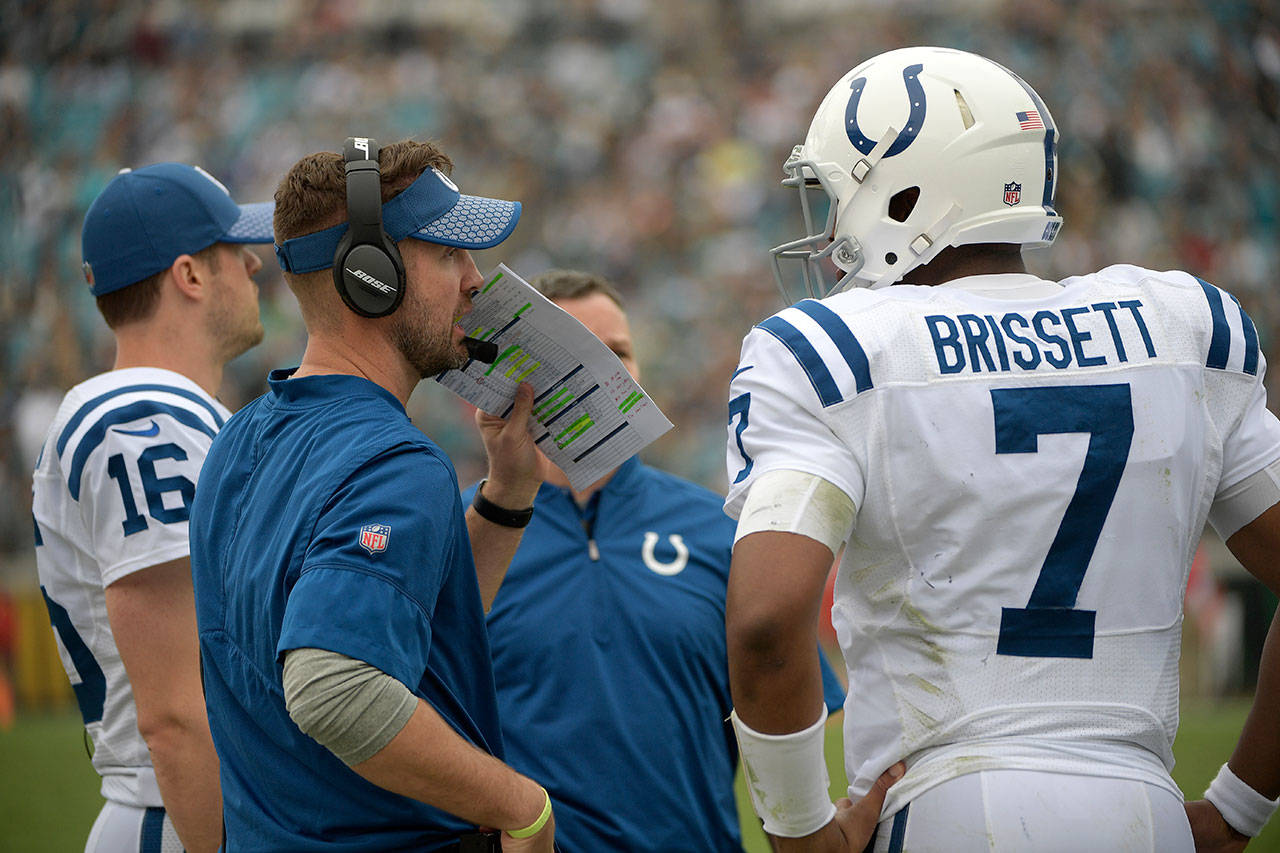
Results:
340 588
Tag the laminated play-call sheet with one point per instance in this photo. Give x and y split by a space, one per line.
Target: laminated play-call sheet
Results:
589 415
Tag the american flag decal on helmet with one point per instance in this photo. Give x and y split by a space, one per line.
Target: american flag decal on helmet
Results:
374 537
1030 120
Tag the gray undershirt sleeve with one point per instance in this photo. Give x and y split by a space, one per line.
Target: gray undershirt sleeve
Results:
345 704
1245 501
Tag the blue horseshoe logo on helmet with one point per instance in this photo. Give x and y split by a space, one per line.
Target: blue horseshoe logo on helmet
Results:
915 91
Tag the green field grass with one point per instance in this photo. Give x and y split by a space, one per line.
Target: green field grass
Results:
49 792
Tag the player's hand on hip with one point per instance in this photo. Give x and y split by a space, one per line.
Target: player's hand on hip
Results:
541 842
1211 832
516 468
854 824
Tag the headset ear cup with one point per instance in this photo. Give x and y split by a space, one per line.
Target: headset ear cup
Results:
372 283
367 268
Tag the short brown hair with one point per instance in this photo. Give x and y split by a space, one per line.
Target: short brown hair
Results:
313 195
137 302
574 284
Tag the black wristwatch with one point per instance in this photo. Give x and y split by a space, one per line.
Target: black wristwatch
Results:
490 511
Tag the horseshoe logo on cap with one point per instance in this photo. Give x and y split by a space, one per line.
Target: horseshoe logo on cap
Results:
915 92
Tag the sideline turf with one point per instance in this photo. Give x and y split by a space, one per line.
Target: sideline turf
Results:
49 792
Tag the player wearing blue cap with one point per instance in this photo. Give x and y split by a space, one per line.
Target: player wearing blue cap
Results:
340 589
163 255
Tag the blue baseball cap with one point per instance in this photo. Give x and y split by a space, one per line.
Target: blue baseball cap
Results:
145 218
431 209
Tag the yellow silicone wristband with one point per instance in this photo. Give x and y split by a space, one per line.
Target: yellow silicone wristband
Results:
535 827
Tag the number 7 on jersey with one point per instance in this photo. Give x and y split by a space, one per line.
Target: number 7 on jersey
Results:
1050 626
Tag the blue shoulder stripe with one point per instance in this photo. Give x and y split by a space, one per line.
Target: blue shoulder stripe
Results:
794 340
1250 339
141 409
83 411
843 338
1220 342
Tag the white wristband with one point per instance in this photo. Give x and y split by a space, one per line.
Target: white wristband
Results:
787 777
1241 806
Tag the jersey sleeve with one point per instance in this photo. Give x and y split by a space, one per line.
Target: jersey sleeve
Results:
776 423
377 560
1254 441
135 484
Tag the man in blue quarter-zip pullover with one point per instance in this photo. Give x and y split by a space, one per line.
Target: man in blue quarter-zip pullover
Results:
608 644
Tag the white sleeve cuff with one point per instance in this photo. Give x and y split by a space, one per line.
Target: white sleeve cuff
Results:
1240 504
797 502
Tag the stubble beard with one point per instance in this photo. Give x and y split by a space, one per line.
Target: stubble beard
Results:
428 351
236 335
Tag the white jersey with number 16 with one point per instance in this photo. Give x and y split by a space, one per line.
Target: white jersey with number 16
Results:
111 495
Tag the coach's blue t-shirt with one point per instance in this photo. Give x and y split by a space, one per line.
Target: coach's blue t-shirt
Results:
609 654
326 519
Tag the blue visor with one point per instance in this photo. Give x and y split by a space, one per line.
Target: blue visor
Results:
430 209
253 225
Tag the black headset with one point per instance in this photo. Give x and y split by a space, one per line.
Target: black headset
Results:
367 269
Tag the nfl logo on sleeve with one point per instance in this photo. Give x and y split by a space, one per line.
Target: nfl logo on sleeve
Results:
373 537
1012 193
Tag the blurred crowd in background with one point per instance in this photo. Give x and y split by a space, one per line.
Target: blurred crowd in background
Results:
644 137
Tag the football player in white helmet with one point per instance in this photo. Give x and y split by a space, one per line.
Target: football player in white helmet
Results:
1016 473
938 140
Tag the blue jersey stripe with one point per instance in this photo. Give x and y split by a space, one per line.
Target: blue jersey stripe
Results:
141 409
91 692
842 336
1250 340
794 340
1220 343
151 838
898 835
83 411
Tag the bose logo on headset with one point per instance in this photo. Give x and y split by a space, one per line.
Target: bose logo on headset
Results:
370 280
367 269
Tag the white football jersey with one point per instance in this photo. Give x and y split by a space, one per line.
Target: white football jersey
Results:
1032 465
111 495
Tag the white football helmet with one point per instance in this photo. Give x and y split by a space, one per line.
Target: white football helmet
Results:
920 149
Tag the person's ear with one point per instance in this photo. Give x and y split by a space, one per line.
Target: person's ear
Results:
190 277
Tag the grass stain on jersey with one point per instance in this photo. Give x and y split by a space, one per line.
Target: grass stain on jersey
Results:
926 686
917 620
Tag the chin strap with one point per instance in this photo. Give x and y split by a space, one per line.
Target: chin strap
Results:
925 241
864 166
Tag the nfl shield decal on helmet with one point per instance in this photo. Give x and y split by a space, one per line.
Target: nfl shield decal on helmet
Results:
374 537
1012 193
